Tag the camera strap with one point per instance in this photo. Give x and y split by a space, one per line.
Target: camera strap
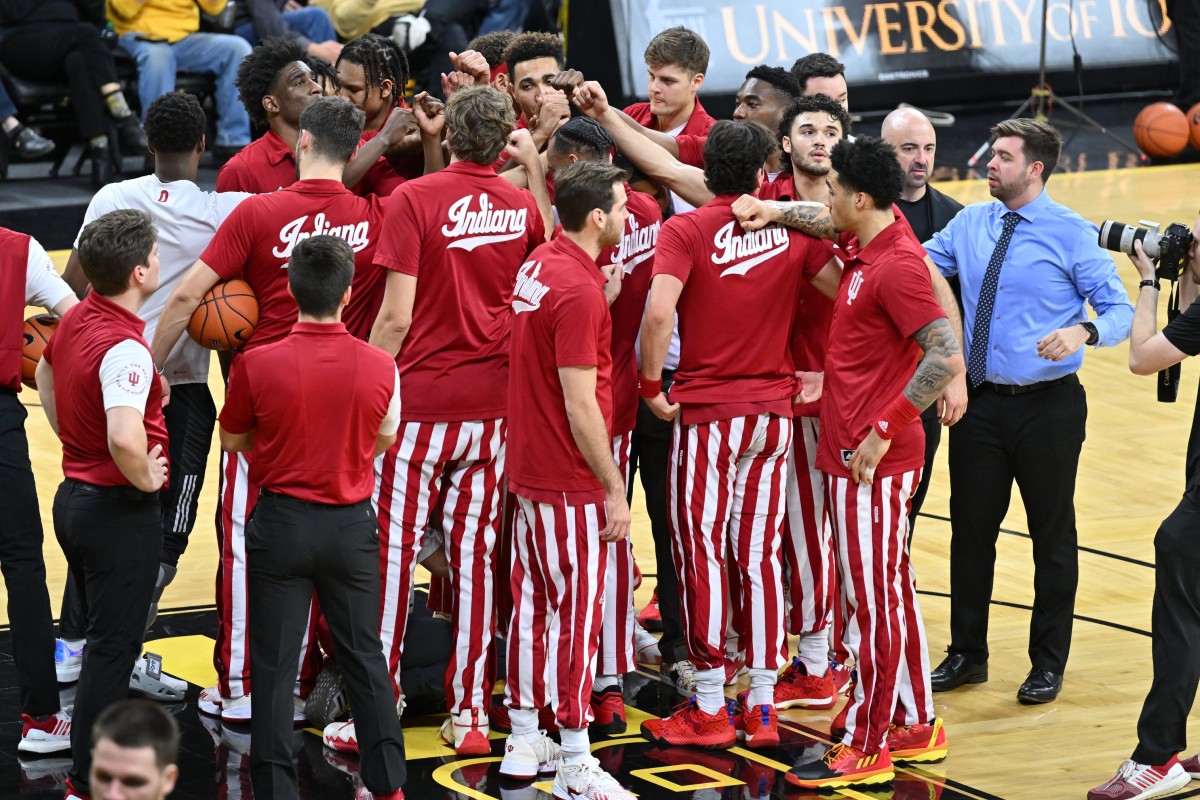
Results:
1168 379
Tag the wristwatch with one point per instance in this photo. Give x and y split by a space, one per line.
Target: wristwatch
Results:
1093 334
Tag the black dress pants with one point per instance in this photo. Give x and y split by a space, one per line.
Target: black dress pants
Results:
933 437
70 51
1034 439
292 548
650 457
23 566
112 539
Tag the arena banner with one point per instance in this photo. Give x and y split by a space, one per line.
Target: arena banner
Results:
896 40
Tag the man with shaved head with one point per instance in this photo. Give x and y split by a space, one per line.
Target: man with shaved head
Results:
927 211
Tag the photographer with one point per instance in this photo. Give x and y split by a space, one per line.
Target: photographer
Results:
1175 621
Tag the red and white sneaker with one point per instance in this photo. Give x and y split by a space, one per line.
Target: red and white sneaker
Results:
759 725
735 667
1191 765
210 701
650 617
51 735
689 725
797 689
843 766
645 647
917 744
1135 781
73 793
467 732
587 781
340 736
608 711
525 760
842 675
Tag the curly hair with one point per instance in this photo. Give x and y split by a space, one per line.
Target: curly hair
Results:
175 123
808 104
733 155
780 78
258 72
492 46
816 65
479 119
868 165
381 59
584 137
529 46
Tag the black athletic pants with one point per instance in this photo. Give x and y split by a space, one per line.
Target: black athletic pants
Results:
52 52
1033 438
1174 634
933 437
292 548
112 539
650 456
190 417
23 566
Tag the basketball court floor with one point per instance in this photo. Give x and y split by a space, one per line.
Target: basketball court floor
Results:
1131 475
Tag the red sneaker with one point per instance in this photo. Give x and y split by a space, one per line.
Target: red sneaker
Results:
690 726
735 666
74 794
842 675
649 617
1191 765
467 732
759 725
837 729
842 767
924 744
608 711
797 689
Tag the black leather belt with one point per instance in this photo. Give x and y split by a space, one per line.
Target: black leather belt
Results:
287 498
129 494
1011 390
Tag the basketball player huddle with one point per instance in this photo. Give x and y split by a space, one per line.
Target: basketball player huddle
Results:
529 300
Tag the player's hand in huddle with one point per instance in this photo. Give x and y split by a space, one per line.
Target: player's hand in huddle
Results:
613 275
591 99
472 63
753 213
553 110
567 81
811 385
521 149
452 82
400 123
430 114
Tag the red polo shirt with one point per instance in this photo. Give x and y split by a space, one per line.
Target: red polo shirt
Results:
76 352
265 165
690 140
735 311
885 296
256 240
560 319
310 441
382 178
463 232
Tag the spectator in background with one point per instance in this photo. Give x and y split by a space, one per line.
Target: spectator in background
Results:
25 141
45 40
163 37
308 26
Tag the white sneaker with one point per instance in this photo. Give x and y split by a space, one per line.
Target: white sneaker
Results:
467 732
1135 781
587 781
645 647
148 679
340 736
52 735
235 709
525 760
68 659
210 701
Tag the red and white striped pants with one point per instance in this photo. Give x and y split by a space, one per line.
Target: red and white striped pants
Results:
231 652
616 637
725 489
808 560
884 630
454 467
558 578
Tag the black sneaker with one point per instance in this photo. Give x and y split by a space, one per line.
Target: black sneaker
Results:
131 137
28 144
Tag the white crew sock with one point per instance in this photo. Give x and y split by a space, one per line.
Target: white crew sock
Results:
524 724
576 746
814 652
762 687
710 689
603 682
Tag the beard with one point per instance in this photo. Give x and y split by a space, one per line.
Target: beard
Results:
1007 191
813 169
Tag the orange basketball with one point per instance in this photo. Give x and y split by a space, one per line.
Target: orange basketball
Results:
38 330
1161 129
1193 118
226 316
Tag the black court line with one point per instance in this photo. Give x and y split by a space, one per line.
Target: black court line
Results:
1023 607
1081 548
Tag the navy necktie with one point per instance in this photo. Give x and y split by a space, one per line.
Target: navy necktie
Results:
977 358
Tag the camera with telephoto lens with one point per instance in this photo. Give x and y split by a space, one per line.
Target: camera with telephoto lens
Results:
1168 248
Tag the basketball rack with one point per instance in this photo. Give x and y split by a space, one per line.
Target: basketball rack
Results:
1040 99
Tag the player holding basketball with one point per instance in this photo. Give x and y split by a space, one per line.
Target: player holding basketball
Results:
451 248
254 244
570 493
885 314
732 406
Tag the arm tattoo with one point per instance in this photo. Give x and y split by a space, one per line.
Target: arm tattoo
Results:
934 372
806 217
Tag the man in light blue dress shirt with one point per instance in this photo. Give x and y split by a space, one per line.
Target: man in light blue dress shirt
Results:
1026 265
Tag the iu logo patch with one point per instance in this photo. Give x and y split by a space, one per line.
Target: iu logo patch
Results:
856 282
163 196
134 379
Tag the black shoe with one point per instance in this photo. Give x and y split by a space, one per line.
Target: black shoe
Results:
131 136
1042 686
955 670
28 145
102 166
